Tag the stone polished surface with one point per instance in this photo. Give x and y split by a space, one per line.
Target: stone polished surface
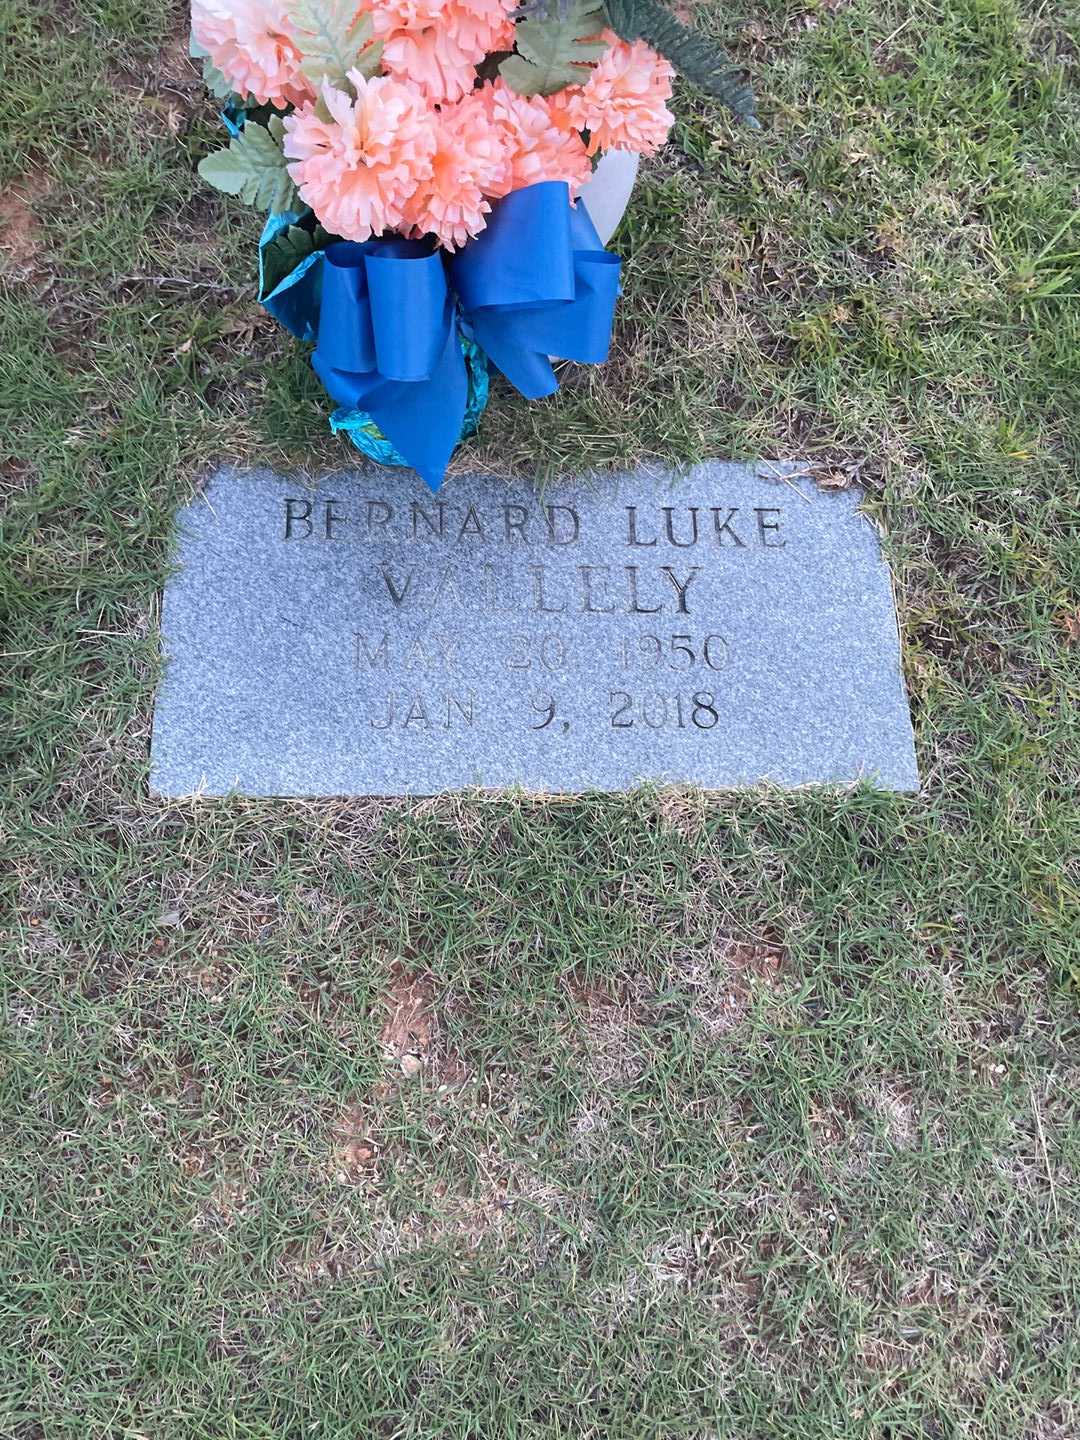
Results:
722 625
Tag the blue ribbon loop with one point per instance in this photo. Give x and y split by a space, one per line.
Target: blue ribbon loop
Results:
388 345
537 282
386 313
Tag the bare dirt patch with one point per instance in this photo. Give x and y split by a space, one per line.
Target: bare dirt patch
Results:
411 1036
174 69
355 1148
16 478
170 73
21 252
831 1123
410 1026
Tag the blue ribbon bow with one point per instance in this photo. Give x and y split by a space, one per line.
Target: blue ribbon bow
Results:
385 314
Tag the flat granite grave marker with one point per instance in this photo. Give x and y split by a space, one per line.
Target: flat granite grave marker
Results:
723 625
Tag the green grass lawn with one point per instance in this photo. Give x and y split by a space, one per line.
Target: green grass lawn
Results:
635 1116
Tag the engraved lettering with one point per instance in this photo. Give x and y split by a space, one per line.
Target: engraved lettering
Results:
416 714
669 527
514 524
331 517
471 526
681 589
654 711
423 712
543 705
499 593
416 654
724 527
636 608
379 514
718 658
447 589
419 513
464 709
384 724
294 517
631 529
553 652
625 703
550 512
539 597
587 572
379 656
398 593
448 647
768 526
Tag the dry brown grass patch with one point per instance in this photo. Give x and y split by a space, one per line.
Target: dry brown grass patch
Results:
724 979
608 1024
894 1102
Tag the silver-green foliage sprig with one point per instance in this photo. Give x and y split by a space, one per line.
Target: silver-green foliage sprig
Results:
334 37
253 168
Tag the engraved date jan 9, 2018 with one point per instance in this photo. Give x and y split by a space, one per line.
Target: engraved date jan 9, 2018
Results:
681 712
697 711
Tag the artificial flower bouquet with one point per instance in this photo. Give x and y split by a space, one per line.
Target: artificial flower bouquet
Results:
421 162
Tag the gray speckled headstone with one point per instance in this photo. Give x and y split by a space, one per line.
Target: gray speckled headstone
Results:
368 638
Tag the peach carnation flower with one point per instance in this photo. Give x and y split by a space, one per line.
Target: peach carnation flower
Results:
437 44
359 169
623 103
469 162
538 148
481 26
251 42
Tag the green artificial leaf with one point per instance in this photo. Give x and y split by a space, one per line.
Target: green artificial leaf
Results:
553 50
216 83
703 62
253 168
282 255
213 79
334 37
